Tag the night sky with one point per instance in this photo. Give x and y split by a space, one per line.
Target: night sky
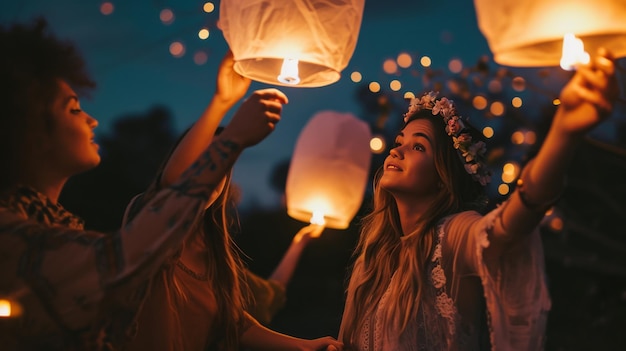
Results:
127 53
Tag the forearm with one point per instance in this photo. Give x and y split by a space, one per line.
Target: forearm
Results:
539 185
197 139
166 218
285 269
260 338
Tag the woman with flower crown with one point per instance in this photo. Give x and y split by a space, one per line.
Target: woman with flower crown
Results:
433 273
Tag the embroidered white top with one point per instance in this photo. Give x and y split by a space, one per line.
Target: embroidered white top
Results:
470 303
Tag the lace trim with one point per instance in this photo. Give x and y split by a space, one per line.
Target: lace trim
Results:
444 304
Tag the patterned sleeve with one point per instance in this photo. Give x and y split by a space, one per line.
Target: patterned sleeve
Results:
514 284
64 275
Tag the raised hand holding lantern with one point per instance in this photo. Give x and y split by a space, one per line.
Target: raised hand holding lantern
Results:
329 170
533 33
299 43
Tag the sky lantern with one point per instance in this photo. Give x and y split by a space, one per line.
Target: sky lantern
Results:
329 170
299 43
536 33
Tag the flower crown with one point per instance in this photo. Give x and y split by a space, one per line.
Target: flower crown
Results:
471 153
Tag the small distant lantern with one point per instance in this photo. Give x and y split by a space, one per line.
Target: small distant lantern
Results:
531 33
299 43
329 170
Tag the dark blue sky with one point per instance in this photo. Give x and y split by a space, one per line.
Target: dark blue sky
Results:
127 52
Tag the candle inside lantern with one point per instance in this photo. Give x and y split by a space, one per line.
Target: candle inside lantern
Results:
573 52
289 72
318 218
5 308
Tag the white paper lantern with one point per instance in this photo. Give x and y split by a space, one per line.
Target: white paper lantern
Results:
329 169
530 33
313 40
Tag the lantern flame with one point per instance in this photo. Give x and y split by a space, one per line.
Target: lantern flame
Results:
318 218
5 308
573 52
289 72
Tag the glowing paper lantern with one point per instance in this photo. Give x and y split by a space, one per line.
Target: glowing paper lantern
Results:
329 170
531 32
300 43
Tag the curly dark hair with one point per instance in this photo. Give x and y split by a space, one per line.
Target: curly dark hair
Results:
33 61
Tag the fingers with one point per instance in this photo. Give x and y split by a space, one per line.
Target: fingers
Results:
272 94
596 82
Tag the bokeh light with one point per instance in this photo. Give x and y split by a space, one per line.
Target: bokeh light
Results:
488 132
395 85
517 138
166 16
425 61
106 8
374 87
516 102
203 33
377 144
177 49
200 58
503 189
479 102
455 65
390 66
356 76
208 7
497 108
404 60
518 84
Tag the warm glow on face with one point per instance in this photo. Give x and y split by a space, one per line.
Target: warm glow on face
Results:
5 308
573 52
289 72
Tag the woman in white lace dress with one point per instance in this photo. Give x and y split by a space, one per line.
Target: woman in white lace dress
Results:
431 272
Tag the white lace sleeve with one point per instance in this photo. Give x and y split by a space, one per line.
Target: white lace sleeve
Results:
514 285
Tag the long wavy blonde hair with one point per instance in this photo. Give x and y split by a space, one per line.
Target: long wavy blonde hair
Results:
225 268
378 252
